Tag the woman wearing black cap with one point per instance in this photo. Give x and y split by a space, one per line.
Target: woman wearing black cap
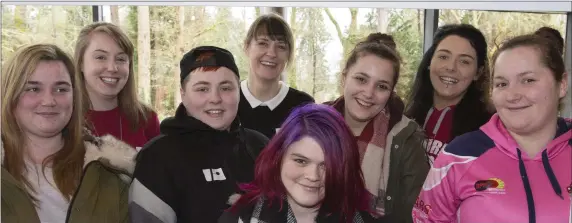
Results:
189 172
266 101
451 87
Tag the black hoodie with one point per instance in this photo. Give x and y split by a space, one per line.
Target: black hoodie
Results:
188 173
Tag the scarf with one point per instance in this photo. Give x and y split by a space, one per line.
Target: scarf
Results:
373 148
261 212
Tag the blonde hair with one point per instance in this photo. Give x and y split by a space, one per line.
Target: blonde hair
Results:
67 163
134 110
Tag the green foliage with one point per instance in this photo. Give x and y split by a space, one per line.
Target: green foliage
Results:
310 61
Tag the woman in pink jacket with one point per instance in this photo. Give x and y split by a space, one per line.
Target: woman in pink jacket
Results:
518 166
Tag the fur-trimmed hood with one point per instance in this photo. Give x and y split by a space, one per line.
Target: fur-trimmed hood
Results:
112 152
108 150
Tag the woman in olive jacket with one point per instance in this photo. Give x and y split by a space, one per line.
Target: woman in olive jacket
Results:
392 157
53 170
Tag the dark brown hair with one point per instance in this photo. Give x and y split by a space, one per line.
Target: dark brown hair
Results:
473 110
553 35
275 27
382 38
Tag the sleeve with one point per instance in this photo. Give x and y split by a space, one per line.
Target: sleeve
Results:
153 126
438 200
152 194
415 168
124 206
228 217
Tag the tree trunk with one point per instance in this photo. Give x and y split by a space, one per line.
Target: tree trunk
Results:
314 64
180 51
144 55
382 20
115 14
292 75
419 22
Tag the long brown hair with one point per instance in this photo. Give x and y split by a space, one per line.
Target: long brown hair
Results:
135 111
67 163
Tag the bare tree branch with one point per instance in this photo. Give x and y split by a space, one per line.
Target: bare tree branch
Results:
338 30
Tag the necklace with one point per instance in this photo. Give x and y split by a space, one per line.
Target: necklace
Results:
120 128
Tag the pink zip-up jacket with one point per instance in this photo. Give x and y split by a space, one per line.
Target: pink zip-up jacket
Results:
483 176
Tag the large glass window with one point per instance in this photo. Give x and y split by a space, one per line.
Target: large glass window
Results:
499 26
325 36
27 24
163 34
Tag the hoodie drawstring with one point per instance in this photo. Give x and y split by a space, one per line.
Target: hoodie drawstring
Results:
550 174
527 189
553 182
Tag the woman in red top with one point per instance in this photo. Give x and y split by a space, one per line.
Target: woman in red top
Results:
448 96
104 57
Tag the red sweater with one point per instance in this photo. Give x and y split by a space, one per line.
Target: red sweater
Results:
115 123
437 126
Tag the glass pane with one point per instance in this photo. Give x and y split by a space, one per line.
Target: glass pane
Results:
27 24
171 31
499 26
325 36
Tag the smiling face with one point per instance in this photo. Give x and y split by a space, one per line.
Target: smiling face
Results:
268 57
45 106
453 68
303 173
105 67
212 97
367 87
525 92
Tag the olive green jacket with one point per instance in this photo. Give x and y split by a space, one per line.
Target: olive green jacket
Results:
102 193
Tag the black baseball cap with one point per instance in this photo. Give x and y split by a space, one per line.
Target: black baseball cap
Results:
207 56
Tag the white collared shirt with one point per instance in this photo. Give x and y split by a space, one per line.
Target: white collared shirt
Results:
272 103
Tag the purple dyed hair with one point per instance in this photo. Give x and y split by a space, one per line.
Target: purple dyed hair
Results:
345 189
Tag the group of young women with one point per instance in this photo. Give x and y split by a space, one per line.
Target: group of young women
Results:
470 145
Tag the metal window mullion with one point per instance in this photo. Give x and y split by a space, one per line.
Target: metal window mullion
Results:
97 11
567 112
430 26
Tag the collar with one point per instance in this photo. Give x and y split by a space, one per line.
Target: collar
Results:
272 103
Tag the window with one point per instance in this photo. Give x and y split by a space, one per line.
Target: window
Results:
163 34
499 26
325 36
29 24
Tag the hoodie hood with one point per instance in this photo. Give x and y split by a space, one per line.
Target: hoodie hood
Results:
496 130
182 123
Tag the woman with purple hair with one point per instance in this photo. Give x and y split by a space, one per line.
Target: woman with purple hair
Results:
309 172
